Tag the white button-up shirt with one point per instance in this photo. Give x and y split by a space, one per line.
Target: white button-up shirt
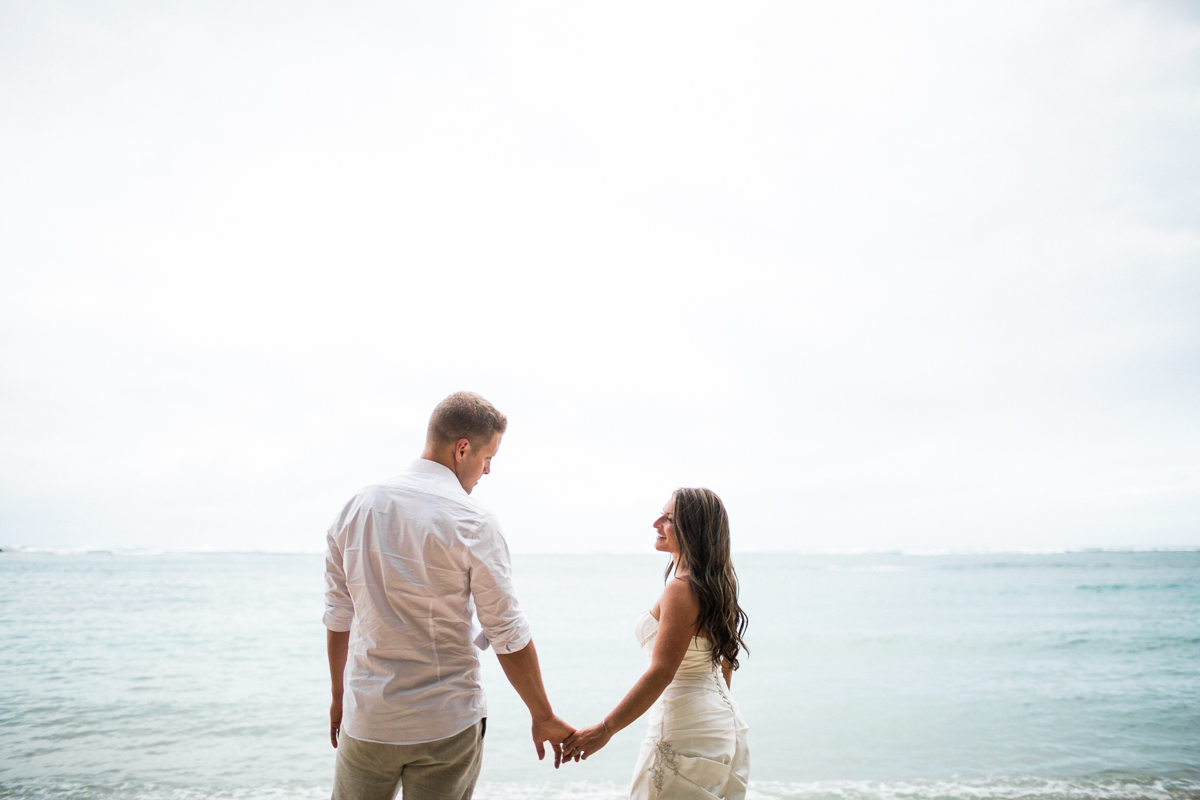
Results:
409 563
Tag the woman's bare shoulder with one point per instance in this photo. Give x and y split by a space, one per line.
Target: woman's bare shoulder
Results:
678 595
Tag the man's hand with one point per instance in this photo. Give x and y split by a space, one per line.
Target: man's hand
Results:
522 670
337 643
553 730
335 721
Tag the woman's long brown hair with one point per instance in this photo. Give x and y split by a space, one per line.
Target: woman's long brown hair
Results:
702 528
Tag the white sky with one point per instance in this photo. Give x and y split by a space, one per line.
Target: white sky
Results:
881 276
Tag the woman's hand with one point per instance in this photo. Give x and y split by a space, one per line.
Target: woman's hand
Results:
585 741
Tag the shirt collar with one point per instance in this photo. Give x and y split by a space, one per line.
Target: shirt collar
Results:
439 472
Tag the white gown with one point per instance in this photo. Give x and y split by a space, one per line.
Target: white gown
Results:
696 746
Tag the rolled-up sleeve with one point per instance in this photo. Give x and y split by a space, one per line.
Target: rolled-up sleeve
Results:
339 607
503 622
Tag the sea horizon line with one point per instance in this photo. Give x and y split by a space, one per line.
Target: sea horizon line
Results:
902 551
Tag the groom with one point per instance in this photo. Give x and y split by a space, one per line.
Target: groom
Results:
408 564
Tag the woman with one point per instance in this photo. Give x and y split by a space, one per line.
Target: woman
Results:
696 745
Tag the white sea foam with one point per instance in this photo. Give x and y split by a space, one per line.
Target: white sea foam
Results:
1011 788
1007 788
571 791
129 791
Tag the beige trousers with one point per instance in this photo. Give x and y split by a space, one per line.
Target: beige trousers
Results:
443 770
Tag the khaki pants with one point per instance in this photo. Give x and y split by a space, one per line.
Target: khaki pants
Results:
443 770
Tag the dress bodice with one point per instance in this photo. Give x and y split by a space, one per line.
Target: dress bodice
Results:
697 661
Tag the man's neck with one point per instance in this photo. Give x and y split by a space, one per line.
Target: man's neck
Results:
444 457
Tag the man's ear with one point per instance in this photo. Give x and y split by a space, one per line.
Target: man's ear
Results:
460 448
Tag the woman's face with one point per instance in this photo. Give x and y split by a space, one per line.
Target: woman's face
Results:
666 541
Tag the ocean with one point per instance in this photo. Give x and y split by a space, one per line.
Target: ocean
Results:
875 677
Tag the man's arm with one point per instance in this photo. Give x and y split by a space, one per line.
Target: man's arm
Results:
337 643
490 570
339 615
523 672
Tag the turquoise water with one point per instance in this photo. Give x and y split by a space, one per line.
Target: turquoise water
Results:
186 676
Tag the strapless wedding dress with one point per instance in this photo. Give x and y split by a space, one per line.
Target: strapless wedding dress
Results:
696 746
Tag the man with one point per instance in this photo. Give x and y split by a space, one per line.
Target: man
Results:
409 562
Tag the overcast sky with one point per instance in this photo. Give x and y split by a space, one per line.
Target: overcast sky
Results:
881 275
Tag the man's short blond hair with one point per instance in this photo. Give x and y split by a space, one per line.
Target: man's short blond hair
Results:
465 415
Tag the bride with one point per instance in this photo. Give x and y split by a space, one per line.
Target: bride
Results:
696 744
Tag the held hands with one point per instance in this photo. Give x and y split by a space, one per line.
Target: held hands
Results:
554 730
585 741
